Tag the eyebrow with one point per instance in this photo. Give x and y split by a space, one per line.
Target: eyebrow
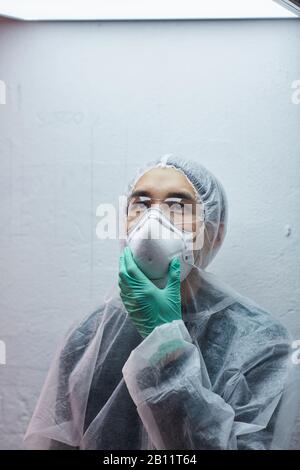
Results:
179 194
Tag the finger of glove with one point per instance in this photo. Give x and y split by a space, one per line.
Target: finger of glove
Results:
132 269
122 270
174 271
125 281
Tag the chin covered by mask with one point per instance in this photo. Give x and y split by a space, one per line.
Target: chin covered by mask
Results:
155 241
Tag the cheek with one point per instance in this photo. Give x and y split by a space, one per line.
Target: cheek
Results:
196 227
127 225
200 241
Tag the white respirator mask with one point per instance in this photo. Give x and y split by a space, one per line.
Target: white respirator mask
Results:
154 241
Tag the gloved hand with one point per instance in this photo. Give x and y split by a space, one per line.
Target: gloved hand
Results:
147 305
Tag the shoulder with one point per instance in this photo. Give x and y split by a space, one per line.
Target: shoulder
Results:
242 316
257 339
256 321
109 327
244 330
82 332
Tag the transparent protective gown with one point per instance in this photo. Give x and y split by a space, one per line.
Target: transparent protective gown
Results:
286 433
221 388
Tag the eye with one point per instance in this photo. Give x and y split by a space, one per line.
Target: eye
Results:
138 206
179 206
176 206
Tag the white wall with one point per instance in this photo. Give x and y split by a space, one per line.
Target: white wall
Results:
87 103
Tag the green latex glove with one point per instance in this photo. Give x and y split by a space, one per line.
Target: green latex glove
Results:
167 352
147 305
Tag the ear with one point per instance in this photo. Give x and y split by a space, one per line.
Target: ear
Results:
221 233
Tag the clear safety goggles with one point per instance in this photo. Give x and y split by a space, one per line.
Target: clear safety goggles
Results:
183 213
